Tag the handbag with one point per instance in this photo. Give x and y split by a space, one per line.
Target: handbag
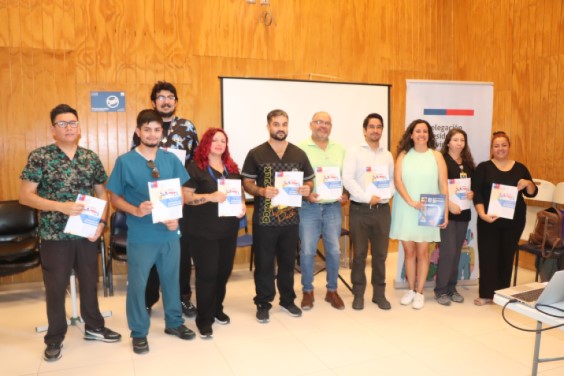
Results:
547 233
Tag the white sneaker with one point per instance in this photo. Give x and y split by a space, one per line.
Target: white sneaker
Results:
418 301
408 297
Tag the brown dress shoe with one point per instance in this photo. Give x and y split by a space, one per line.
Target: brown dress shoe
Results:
307 300
335 300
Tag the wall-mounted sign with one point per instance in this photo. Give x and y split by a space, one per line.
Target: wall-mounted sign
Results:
107 101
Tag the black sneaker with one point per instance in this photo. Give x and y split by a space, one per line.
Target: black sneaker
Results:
181 332
53 352
101 334
188 309
291 309
222 319
140 345
262 315
206 333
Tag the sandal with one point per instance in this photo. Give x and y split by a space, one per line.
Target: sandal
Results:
482 301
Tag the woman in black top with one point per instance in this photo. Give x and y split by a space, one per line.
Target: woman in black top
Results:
498 237
460 165
214 238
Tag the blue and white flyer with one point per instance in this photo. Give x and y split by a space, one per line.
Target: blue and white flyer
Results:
458 192
433 212
377 181
328 183
166 197
288 183
86 223
502 201
232 206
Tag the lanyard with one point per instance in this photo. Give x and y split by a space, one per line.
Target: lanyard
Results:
223 175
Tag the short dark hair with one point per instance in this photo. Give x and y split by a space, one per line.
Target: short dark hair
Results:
62 109
147 116
372 116
275 113
163 85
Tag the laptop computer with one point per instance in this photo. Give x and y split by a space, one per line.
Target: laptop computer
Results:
531 294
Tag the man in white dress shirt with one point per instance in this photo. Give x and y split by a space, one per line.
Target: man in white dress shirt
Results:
369 212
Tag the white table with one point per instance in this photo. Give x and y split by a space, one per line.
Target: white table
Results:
541 319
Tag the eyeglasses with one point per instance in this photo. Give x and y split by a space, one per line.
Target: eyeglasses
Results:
163 97
321 122
154 170
64 124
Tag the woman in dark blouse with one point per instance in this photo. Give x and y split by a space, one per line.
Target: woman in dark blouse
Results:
498 237
460 165
213 238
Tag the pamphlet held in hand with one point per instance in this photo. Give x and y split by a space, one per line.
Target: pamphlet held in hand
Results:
232 206
288 183
166 197
433 212
86 223
502 201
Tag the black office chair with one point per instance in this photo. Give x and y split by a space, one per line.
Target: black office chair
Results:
19 242
246 239
117 249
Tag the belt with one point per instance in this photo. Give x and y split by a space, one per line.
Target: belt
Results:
368 206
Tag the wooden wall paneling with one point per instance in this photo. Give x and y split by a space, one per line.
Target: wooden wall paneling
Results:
559 27
123 38
280 42
105 20
31 19
13 24
558 152
4 31
541 34
5 92
174 56
85 47
63 24
17 134
154 62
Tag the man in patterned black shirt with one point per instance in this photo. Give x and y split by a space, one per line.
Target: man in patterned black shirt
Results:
51 181
179 134
275 229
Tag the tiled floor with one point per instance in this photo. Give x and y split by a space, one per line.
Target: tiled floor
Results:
458 340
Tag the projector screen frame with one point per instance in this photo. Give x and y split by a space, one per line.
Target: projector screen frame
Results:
299 124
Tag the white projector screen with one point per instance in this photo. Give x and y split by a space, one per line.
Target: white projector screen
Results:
245 102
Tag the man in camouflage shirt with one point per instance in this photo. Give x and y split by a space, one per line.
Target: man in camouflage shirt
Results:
51 181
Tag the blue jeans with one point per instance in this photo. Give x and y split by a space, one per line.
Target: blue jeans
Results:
317 220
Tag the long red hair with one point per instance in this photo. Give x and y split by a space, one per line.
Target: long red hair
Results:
201 155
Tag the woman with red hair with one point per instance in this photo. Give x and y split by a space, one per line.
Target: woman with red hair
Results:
214 238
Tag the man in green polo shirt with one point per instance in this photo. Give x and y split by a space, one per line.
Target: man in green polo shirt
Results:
320 214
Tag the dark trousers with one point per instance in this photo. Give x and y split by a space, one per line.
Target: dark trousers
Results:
213 259
370 224
496 247
153 283
452 239
58 258
270 244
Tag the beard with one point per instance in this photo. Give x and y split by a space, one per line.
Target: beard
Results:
150 144
167 114
279 136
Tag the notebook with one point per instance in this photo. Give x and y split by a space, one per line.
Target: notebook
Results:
531 294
